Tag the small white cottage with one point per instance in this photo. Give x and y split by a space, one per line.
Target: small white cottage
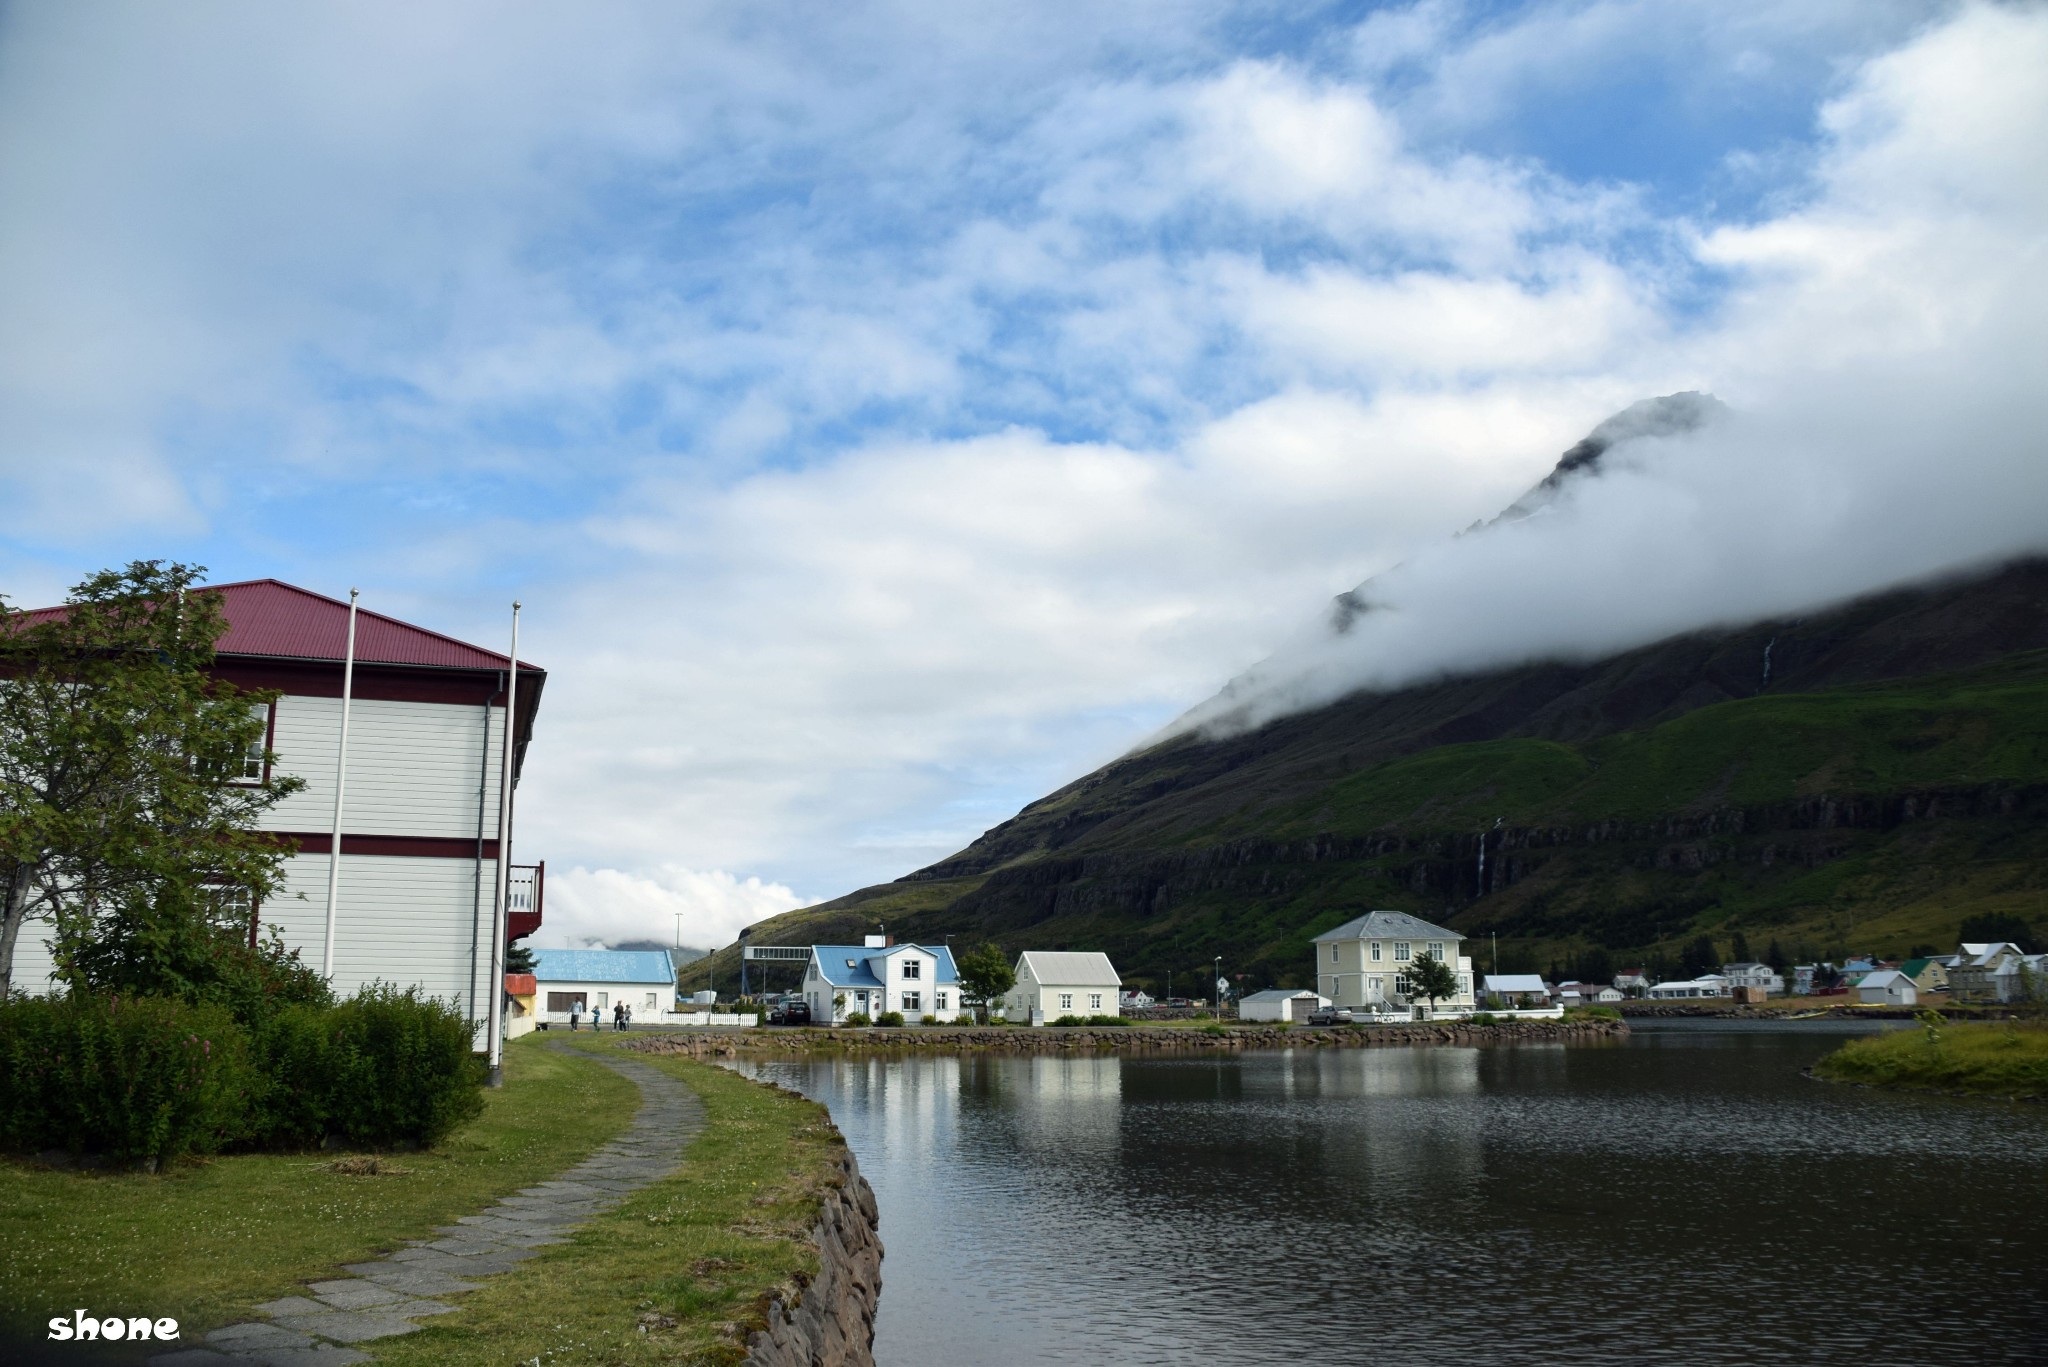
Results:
1055 983
574 982
1280 1004
1887 987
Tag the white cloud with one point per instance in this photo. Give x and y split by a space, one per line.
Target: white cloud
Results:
592 908
888 412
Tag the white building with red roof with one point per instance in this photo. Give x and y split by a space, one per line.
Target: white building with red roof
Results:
418 874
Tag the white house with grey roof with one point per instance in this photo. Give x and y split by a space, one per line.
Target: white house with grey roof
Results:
1055 983
1362 964
878 976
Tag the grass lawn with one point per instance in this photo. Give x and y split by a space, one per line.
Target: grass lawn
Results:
1995 1059
205 1240
688 1257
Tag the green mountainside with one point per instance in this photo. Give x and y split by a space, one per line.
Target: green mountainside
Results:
1885 779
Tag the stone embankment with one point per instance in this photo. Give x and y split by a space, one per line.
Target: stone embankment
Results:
829 1321
709 1044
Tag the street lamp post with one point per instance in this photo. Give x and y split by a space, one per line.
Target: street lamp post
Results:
1219 987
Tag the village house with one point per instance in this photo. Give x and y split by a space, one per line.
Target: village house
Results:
879 976
1362 963
1706 985
1928 974
1055 983
1280 1004
1633 981
1137 999
1887 987
1755 975
418 865
1518 991
1980 971
574 982
1586 994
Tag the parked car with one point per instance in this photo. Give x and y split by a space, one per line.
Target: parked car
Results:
1330 1015
790 1013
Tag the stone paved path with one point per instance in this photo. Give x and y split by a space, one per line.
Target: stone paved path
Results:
389 1296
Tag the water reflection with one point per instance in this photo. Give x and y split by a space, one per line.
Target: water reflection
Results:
1686 1197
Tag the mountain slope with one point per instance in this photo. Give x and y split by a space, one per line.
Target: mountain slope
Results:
1860 777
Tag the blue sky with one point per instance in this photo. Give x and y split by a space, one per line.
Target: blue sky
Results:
888 412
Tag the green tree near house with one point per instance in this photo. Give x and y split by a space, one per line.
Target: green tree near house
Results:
518 958
1429 976
130 785
986 974
1701 956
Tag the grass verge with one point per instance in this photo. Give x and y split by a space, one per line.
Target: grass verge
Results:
1987 1059
205 1240
677 1273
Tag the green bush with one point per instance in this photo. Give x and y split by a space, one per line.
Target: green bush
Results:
142 1078
1214 1028
889 1018
399 1068
858 1018
927 1020
1091 1020
1485 1018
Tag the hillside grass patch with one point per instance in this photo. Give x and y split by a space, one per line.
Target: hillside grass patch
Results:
2005 1058
678 1272
204 1240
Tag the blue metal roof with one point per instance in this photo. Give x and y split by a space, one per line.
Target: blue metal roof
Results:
603 966
847 965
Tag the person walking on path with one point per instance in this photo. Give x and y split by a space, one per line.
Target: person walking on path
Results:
618 1017
575 1018
594 1018
629 1017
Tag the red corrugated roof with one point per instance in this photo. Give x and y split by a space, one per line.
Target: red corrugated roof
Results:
270 618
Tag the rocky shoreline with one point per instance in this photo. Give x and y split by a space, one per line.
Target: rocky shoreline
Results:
829 1321
713 1044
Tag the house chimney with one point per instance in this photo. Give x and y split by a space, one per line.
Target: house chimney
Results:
875 942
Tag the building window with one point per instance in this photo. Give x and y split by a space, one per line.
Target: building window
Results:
1333 954
939 1000
1402 987
650 1001
1094 1001
1400 951
1066 1001
911 1000
252 758
1375 951
565 1001
1436 949
913 968
604 999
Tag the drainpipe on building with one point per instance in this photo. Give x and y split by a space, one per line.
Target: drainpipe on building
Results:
348 678
494 1029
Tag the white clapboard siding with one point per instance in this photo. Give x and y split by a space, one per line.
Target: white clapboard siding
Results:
33 963
414 768
409 922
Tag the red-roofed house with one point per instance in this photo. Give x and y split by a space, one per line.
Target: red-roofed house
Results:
419 845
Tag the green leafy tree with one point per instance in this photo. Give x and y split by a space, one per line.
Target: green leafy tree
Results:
986 975
1429 976
130 778
1701 956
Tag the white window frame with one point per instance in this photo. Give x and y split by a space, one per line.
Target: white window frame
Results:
1094 1001
255 768
1333 954
1436 949
913 969
912 1000
1375 951
1066 1001
939 1001
1400 951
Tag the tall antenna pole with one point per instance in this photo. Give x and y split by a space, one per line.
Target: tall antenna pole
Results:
494 1027
348 679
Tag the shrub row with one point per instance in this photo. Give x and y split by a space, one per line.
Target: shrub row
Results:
150 1078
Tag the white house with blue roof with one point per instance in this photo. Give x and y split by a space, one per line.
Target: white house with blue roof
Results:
580 980
918 980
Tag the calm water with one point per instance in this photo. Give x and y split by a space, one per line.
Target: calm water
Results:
1683 1197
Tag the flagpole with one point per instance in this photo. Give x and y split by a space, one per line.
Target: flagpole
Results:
348 678
494 1029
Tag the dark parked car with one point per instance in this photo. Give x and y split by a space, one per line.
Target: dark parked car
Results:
790 1013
